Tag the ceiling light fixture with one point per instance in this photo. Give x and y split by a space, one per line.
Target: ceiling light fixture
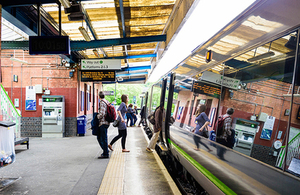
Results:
18 60
84 33
65 3
95 51
262 56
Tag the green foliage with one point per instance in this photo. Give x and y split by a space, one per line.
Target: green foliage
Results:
127 89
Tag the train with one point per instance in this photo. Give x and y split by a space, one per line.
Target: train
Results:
252 66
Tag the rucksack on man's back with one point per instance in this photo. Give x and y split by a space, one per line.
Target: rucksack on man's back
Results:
219 126
111 113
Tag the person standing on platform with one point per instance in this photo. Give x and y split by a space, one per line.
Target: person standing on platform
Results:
103 126
226 132
134 115
130 115
202 122
159 119
122 128
142 113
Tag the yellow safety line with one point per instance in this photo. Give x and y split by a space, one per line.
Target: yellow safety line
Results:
113 180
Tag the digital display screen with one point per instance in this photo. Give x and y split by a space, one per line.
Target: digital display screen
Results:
98 75
49 45
206 89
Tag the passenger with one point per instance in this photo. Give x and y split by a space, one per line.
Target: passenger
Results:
134 115
129 115
222 139
103 126
202 122
159 118
142 114
122 126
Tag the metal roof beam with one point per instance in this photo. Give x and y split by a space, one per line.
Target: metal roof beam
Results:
126 80
136 68
133 56
131 74
82 45
27 2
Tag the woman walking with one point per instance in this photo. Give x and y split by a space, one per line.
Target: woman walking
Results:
202 122
122 125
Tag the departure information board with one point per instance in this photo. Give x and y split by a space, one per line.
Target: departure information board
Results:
98 75
206 89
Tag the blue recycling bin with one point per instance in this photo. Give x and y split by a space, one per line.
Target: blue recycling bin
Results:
81 125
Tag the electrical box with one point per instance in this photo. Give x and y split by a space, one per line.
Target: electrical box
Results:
53 116
253 118
262 117
47 92
38 89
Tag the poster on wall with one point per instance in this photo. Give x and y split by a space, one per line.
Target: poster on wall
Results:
211 117
179 112
30 100
266 132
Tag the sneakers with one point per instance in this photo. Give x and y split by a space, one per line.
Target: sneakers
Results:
148 150
125 150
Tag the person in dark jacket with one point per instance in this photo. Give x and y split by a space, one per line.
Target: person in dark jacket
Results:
159 119
142 113
129 115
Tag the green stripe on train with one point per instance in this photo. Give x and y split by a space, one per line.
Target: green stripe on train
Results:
204 171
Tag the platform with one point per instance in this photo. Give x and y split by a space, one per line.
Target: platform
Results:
70 166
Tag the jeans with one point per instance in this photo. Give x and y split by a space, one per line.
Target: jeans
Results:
102 139
129 116
153 140
220 149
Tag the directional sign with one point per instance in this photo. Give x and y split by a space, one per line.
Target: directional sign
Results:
100 64
219 79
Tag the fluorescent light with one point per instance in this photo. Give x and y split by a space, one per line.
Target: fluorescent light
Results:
192 34
84 33
18 60
95 51
65 3
261 56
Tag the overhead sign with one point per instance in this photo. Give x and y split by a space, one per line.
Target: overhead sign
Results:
100 64
49 45
218 79
98 75
108 92
206 89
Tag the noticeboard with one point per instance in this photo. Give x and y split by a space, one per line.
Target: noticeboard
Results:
206 89
98 75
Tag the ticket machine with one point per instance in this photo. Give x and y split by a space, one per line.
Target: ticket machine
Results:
53 117
245 131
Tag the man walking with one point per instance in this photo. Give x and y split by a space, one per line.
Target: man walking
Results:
103 125
159 119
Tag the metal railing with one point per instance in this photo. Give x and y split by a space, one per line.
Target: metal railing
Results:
293 152
8 111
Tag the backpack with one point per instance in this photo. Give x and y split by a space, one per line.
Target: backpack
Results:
151 117
220 125
95 124
110 113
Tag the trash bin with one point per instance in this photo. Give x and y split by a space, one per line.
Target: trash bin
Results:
7 145
81 125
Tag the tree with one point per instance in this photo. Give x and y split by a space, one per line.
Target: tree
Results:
129 89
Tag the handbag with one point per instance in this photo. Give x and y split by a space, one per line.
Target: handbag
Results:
116 123
204 133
